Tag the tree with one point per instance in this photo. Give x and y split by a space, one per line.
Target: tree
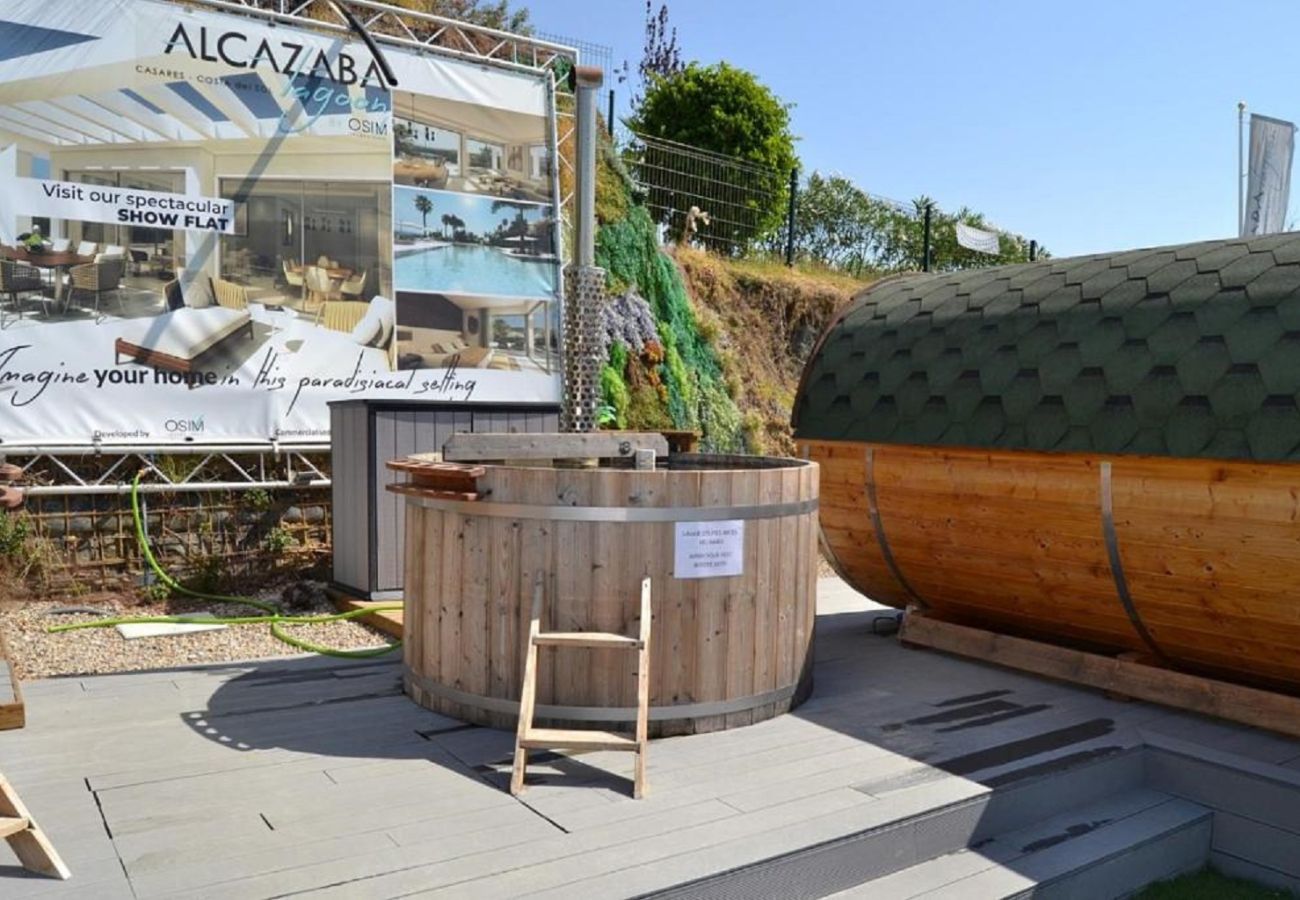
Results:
904 246
838 224
660 54
728 111
425 206
446 220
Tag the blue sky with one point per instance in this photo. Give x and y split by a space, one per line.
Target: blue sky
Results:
1091 125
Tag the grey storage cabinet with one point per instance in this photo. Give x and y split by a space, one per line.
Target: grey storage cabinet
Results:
369 530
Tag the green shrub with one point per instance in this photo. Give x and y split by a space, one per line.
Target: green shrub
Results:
14 531
614 391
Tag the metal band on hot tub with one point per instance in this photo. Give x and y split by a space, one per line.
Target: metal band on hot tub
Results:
612 513
600 713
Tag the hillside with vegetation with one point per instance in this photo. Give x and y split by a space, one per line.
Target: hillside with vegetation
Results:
699 342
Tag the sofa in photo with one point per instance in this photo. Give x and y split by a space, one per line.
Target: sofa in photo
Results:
196 323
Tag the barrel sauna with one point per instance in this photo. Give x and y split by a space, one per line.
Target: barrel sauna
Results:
725 651
1098 451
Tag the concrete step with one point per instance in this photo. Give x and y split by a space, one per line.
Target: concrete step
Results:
1109 848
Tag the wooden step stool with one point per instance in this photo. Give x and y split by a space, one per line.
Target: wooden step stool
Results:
29 843
529 737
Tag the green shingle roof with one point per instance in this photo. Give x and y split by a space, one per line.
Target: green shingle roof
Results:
1192 350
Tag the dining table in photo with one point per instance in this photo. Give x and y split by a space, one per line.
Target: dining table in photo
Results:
59 263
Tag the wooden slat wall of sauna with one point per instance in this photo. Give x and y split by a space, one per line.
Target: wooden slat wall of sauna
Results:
1013 541
713 639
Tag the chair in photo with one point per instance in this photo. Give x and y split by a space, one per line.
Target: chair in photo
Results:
60 245
17 279
114 250
103 276
293 277
319 289
229 294
87 248
343 315
352 287
139 259
370 325
324 261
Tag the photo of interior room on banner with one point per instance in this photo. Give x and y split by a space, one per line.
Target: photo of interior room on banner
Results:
450 145
453 243
461 331
308 257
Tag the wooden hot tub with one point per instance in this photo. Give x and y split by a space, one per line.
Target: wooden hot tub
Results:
726 650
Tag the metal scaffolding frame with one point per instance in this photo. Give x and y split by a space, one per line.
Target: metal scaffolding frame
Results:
84 471
411 30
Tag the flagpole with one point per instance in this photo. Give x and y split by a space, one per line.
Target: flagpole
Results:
1241 197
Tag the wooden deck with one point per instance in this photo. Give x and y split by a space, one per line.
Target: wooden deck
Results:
318 777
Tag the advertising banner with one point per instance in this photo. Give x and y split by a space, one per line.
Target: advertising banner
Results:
1272 146
211 227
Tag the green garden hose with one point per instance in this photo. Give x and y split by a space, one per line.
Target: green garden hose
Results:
271 614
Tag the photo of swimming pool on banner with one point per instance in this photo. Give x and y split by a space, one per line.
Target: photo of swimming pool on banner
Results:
475 264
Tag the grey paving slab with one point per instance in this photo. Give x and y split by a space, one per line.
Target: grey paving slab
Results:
315 776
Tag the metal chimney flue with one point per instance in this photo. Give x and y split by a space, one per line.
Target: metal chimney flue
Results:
584 350
587 82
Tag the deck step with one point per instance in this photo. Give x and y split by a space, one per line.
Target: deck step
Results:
576 739
1110 848
586 639
12 825
923 821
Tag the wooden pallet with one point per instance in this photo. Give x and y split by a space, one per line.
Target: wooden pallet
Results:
1126 676
13 714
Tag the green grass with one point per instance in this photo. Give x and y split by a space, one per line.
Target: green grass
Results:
1208 884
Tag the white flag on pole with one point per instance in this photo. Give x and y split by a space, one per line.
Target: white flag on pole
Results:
1272 144
978 240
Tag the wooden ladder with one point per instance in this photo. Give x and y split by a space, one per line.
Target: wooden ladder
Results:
29 843
529 737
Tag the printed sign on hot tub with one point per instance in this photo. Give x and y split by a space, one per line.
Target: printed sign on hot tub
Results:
199 211
709 549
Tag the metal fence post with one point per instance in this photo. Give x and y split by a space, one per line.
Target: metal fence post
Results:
789 221
609 119
925 243
1033 250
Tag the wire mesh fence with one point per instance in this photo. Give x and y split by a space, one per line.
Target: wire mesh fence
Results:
738 208
725 204
589 54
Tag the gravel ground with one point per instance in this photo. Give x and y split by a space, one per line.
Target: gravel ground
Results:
37 654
